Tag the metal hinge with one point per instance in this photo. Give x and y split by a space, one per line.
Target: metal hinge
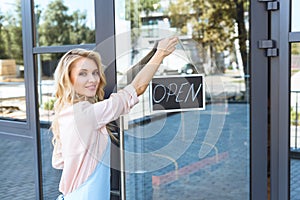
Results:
271 4
270 46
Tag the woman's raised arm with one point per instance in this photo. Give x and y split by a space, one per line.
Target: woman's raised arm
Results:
164 48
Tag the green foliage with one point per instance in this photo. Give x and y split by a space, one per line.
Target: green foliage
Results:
216 24
11 34
212 21
295 120
295 48
60 28
80 33
49 105
2 47
180 14
55 27
132 14
148 6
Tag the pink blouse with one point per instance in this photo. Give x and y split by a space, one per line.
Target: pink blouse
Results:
84 137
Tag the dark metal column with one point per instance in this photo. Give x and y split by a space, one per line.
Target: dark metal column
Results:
32 107
259 101
105 45
279 103
105 40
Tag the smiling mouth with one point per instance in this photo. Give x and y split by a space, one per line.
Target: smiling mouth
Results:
91 87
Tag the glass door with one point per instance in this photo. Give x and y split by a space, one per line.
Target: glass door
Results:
294 120
18 127
199 152
294 101
284 101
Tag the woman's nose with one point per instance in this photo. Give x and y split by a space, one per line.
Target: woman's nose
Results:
92 78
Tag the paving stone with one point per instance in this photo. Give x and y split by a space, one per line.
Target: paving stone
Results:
228 179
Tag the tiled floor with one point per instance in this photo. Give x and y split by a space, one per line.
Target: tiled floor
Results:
295 179
223 174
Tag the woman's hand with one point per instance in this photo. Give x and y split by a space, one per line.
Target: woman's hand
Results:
166 46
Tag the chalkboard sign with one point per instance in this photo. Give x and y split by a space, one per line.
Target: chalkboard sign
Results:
177 93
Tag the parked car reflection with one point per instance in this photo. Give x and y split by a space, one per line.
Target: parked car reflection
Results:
189 68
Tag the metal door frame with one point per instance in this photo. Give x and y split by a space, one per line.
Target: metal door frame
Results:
259 21
273 25
279 102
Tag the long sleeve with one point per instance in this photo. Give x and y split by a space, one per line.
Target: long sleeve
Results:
118 104
57 159
100 114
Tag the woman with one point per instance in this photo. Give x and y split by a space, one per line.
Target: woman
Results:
81 140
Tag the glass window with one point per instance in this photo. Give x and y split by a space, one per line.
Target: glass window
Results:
12 87
46 65
295 119
187 154
51 176
17 170
295 96
295 23
60 22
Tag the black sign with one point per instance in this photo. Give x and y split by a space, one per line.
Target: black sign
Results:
177 93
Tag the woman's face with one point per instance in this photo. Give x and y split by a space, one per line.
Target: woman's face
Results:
85 77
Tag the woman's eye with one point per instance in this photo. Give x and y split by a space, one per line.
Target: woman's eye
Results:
96 73
82 73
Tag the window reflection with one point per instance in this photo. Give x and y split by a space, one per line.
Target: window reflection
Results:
46 66
17 170
295 16
295 96
51 176
60 22
213 43
12 88
209 45
294 119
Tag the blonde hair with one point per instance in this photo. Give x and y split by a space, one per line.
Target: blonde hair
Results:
64 90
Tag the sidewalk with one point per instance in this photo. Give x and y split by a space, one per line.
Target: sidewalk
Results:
222 174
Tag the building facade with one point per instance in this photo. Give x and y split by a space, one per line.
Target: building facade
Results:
239 141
